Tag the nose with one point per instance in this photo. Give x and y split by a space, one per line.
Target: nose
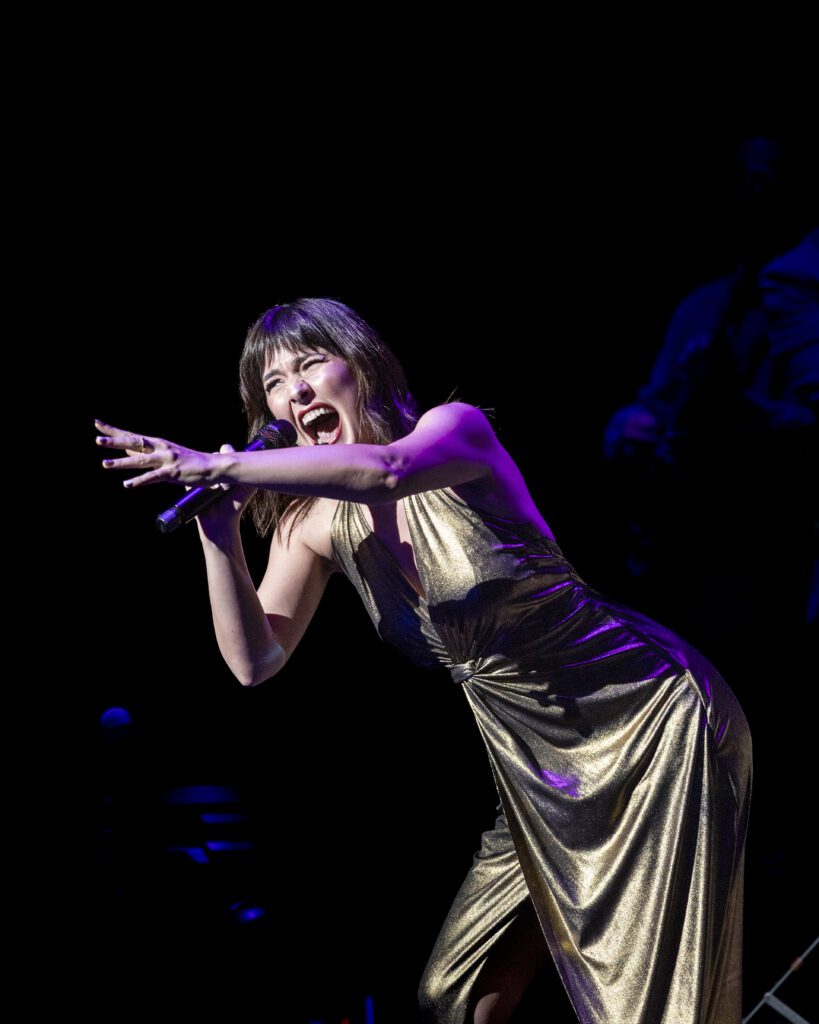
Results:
298 389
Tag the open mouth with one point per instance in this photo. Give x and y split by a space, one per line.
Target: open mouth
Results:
323 426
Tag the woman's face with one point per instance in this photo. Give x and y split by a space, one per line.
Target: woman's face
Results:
299 386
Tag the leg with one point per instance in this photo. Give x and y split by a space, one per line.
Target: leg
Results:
487 906
511 966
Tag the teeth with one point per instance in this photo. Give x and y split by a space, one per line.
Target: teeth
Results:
326 436
315 413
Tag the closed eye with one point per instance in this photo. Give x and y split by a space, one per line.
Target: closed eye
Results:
306 364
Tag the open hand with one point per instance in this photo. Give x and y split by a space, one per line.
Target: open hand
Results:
164 461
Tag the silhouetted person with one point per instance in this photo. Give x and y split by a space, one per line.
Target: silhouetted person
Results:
706 448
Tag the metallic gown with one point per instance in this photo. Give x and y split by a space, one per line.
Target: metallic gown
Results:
621 758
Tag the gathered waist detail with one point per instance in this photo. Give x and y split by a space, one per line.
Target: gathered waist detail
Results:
465 670
484 665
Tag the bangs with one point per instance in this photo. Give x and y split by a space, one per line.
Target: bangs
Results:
293 334
274 348
292 339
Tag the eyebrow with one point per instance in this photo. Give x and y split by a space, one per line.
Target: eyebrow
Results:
297 361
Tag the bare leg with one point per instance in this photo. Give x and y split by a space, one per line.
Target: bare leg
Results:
510 967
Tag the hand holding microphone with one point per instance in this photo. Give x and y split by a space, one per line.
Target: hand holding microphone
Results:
166 461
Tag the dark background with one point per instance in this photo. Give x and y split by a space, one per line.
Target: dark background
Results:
535 273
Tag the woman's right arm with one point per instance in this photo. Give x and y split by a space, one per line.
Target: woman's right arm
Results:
257 631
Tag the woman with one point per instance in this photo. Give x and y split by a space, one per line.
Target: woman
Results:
621 758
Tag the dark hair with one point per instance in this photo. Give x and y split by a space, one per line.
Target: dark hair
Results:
386 409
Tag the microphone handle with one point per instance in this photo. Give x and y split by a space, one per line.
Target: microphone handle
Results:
278 434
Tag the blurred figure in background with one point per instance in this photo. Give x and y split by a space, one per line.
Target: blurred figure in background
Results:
788 385
789 382
708 382
728 417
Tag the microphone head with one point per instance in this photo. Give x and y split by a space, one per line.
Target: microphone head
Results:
169 520
278 434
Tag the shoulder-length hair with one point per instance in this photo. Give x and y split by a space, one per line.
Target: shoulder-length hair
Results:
386 409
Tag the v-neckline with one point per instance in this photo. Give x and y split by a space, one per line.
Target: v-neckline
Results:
371 532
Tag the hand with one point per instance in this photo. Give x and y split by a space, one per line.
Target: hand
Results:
213 519
165 461
629 424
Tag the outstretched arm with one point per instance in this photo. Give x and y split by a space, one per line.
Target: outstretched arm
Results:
451 444
257 631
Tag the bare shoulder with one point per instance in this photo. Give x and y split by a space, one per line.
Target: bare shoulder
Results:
468 419
504 491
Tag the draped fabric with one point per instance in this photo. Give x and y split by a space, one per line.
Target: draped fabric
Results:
621 758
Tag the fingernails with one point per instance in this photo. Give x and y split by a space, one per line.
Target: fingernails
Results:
108 462
127 483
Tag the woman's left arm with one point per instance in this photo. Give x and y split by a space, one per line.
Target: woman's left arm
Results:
450 444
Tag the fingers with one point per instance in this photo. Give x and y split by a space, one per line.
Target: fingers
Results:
136 462
163 460
141 450
139 460
154 477
114 437
157 473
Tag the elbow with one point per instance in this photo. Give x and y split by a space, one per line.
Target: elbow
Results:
390 474
248 679
253 674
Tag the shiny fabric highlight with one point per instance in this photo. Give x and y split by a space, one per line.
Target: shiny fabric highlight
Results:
621 758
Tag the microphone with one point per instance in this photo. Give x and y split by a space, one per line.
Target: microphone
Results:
278 434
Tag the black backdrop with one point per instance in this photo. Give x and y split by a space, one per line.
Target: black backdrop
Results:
537 286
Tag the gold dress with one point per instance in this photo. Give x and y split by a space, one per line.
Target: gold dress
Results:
621 758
